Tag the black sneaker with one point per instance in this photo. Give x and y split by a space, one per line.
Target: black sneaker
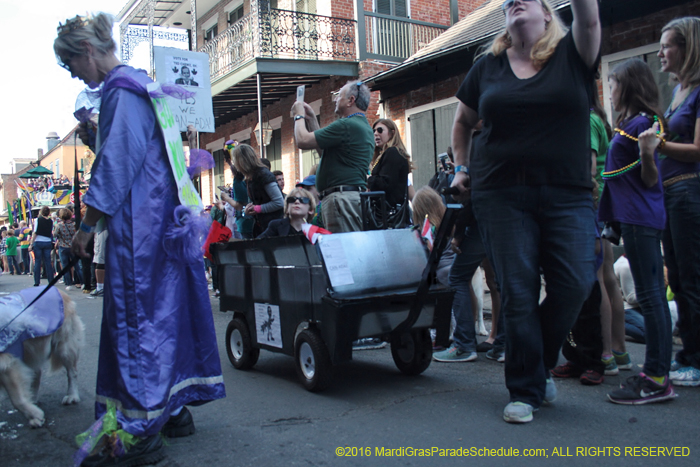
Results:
640 389
180 425
145 452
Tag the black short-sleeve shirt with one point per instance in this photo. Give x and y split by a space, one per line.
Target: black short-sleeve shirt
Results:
536 131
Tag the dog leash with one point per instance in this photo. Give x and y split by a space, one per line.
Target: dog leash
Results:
55 280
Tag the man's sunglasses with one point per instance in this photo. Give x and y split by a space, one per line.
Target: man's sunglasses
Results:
508 4
294 199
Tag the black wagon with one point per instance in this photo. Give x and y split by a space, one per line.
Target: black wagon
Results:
312 301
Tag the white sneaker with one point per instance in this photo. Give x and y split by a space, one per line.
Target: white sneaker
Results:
518 412
68 287
550 392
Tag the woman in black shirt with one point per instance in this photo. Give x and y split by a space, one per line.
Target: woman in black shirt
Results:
531 183
390 164
42 244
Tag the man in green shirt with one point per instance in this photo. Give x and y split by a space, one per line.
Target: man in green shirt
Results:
347 146
11 242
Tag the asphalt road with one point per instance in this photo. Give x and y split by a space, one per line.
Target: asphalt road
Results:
371 415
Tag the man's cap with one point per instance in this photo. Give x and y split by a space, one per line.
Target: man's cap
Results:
308 181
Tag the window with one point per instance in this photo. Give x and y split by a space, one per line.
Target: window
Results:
392 7
211 32
235 15
273 152
219 167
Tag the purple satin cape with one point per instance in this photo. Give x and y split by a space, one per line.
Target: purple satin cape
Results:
41 319
158 347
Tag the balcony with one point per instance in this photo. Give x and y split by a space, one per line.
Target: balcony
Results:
395 39
281 34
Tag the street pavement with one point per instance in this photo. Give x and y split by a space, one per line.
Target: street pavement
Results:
372 415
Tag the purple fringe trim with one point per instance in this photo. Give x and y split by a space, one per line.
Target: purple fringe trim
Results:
184 238
89 443
199 160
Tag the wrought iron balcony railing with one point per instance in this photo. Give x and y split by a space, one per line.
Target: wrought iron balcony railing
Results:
395 39
281 34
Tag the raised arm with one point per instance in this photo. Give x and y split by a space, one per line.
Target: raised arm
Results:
586 29
305 139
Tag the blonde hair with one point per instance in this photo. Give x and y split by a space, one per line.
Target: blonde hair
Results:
427 202
687 36
301 193
245 160
95 30
394 142
543 49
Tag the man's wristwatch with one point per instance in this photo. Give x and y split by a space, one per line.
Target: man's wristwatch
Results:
298 117
86 228
462 168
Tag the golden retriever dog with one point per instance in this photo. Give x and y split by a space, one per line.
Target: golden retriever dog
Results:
21 378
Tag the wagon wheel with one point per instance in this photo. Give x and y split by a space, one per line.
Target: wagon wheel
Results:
239 345
412 351
313 361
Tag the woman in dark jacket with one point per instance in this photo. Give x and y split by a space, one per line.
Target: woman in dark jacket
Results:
266 202
390 163
299 209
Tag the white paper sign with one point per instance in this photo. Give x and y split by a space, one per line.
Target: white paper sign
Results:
267 324
191 71
186 191
335 260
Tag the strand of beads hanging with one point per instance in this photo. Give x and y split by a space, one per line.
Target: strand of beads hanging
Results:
660 132
623 170
627 168
355 114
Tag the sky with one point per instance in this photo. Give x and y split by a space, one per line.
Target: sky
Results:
39 95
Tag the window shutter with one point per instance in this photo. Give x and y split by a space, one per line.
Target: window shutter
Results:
383 7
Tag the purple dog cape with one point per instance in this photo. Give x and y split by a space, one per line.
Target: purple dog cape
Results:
41 319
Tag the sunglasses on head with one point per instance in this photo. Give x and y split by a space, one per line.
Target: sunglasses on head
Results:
508 4
294 199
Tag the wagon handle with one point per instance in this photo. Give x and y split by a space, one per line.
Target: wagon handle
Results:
441 238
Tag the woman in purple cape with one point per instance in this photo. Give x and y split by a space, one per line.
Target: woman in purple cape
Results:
158 347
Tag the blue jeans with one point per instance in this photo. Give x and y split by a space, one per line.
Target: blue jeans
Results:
643 250
461 274
634 325
525 228
682 254
42 254
25 259
13 264
66 256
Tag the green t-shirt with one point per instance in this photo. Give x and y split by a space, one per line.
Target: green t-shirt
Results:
11 243
347 146
599 144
